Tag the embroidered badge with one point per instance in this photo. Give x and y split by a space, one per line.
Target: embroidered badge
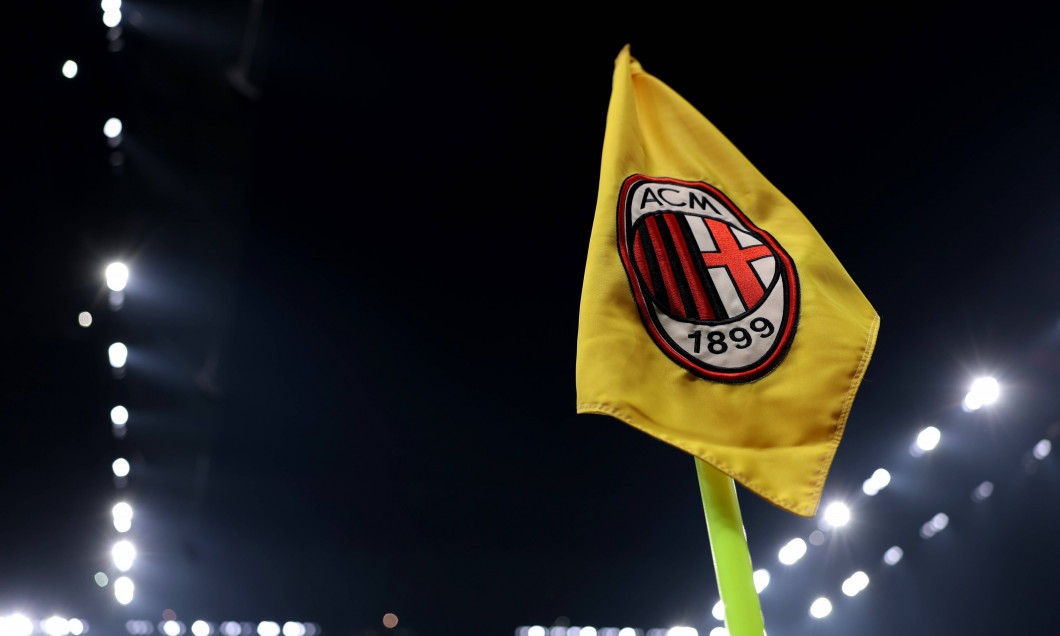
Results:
717 294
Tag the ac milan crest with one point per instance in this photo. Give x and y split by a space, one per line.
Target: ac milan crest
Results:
716 293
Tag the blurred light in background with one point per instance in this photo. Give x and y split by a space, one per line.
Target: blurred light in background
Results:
291 628
719 631
69 69
101 579
111 130
681 630
119 415
77 627
231 628
389 620
935 525
837 514
893 555
117 274
268 628
124 589
112 18
587 631
123 514
110 5
816 538
718 612
1042 449
857 582
926 441
15 625
984 391
117 353
200 628
761 579
124 553
84 319
879 480
120 467
820 608
983 491
792 551
627 631
56 626
172 628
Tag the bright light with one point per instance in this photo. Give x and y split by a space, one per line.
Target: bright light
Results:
1042 449
200 628
983 491
719 631
855 583
118 354
124 553
879 480
820 608
117 274
76 627
268 628
761 578
69 69
112 19
681 630
893 555
231 628
627 631
56 626
122 510
587 631
119 415
296 629
719 611
123 590
120 467
928 439
792 551
101 579
935 525
984 391
84 319
816 538
171 628
15 625
536 630
837 514
112 129
110 5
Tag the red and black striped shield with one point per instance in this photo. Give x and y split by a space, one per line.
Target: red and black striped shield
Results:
717 294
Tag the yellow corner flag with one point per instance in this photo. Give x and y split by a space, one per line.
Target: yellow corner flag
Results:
713 316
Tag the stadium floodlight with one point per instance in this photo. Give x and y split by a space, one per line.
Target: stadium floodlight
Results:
120 467
119 415
792 551
718 612
117 273
855 583
893 555
112 18
171 628
118 354
761 579
820 608
77 626
123 553
983 392
123 590
928 439
69 69
879 480
268 628
112 128
200 628
837 514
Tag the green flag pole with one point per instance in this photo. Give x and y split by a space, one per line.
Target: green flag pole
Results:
728 544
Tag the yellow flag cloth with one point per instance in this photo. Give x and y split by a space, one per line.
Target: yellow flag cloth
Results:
713 316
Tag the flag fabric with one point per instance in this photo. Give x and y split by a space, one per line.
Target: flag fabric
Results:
713 316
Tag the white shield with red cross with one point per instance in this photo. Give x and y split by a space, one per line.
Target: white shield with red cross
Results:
718 294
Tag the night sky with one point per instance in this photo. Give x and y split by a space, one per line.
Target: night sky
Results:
353 309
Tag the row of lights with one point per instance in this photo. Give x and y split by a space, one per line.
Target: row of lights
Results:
984 391
556 630
226 628
19 625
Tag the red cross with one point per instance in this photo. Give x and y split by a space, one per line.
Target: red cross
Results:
737 259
